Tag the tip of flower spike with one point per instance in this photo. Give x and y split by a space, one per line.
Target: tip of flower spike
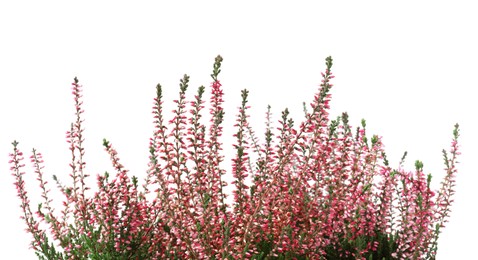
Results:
329 62
184 83
419 165
105 142
76 80
217 67
159 91
456 131
364 123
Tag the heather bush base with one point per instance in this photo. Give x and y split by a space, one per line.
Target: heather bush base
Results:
316 190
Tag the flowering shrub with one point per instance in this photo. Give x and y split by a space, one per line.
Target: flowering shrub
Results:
316 190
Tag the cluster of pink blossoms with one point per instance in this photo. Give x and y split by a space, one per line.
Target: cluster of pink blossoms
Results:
317 190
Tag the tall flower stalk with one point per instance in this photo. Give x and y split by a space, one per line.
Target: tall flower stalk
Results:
314 190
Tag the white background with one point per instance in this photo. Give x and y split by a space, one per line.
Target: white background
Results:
408 67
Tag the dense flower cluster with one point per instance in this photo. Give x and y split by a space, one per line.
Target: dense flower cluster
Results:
316 190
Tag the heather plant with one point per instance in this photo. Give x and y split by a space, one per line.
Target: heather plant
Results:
314 190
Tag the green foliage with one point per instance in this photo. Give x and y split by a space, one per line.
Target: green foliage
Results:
386 245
